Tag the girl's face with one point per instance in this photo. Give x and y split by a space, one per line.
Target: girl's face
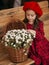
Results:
30 15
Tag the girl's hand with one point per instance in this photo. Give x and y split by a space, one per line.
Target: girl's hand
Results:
32 32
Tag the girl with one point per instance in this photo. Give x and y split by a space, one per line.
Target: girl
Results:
39 50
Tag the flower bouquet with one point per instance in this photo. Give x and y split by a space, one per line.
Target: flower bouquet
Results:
17 43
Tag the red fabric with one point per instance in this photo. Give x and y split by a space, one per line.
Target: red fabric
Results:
39 51
33 6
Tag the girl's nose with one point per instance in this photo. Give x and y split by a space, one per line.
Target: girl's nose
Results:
30 17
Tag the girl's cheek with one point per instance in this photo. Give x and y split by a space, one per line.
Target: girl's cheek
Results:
34 17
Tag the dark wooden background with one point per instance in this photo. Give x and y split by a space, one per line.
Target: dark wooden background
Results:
5 4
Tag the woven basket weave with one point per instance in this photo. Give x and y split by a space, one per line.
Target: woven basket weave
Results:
16 55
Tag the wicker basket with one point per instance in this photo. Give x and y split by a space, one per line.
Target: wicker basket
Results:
16 55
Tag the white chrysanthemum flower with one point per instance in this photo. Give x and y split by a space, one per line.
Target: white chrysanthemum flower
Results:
15 30
18 38
28 40
7 40
23 39
20 42
11 43
24 45
14 45
30 36
6 44
34 36
17 41
11 37
6 36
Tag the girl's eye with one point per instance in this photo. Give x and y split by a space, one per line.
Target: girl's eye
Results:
30 15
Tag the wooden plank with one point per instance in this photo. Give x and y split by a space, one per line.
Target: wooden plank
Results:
45 17
46 30
8 62
46 23
43 4
27 62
